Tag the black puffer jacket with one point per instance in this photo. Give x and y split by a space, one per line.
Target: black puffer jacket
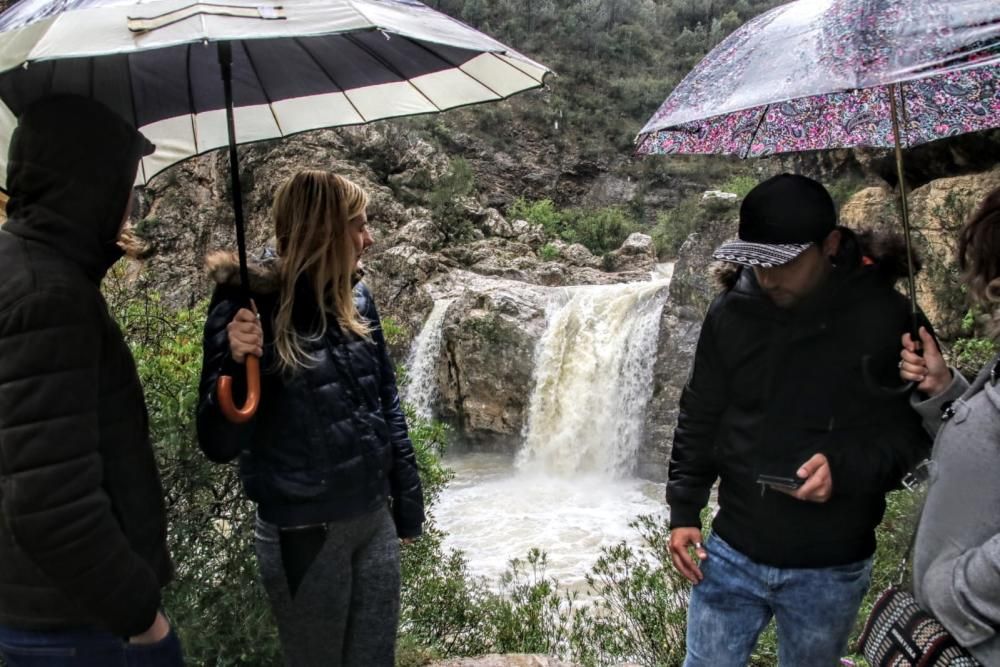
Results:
770 388
82 523
328 442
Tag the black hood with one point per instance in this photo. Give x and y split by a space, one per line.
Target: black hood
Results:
71 167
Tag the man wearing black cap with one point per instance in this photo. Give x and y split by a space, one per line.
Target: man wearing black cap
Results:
83 551
787 406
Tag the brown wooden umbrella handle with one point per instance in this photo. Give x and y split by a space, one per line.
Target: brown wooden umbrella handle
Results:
224 393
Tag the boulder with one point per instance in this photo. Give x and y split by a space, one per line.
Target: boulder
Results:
637 253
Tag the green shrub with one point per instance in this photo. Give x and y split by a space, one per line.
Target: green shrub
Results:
542 212
969 355
446 200
674 226
393 331
740 185
600 230
548 252
640 604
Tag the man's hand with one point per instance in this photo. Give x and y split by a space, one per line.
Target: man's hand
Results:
245 335
681 541
818 486
930 370
157 632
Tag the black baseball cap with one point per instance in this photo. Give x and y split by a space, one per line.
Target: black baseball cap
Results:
779 219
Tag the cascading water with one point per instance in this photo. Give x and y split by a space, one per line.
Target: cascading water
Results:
421 389
569 491
593 379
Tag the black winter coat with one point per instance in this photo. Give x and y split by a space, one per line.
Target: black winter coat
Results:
328 442
82 521
770 388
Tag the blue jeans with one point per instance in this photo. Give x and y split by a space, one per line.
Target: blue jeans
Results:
815 609
84 648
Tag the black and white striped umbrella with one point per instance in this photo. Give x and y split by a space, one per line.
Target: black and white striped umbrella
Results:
197 76
296 65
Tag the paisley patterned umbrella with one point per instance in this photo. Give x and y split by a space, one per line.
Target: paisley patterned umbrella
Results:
820 74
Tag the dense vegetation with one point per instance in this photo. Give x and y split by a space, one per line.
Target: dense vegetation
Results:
616 60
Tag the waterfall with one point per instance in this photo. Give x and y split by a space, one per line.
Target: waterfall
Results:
421 388
593 379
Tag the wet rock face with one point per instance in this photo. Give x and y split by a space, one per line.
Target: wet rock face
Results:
937 212
692 290
488 357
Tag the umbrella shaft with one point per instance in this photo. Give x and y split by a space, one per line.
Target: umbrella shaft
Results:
225 62
904 207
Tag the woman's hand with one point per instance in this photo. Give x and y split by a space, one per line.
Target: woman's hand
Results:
929 371
246 336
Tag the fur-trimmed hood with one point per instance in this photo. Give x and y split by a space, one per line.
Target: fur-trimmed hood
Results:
223 267
884 252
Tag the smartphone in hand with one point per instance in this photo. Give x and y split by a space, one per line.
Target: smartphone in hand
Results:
780 482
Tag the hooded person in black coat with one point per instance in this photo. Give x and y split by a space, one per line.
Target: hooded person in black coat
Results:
82 519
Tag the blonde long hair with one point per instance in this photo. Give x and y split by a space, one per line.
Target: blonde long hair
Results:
311 212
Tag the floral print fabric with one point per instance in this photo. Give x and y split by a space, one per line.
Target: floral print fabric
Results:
817 74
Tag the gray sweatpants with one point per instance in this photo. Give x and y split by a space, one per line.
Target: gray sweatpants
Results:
346 610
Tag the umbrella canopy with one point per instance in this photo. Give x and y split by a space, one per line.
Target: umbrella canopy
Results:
819 74
297 65
195 77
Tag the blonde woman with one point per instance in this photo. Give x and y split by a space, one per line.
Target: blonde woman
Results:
327 458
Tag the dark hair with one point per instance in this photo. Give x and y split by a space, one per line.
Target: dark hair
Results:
884 251
979 251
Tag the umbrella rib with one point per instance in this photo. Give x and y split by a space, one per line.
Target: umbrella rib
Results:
131 90
135 109
192 111
330 76
760 122
392 68
263 88
905 116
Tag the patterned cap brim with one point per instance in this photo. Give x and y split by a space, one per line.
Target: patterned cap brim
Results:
764 255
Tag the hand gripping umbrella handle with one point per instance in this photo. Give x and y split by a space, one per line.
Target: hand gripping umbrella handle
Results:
224 393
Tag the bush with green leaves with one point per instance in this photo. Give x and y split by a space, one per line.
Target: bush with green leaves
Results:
600 230
447 203
674 226
740 185
548 252
639 606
